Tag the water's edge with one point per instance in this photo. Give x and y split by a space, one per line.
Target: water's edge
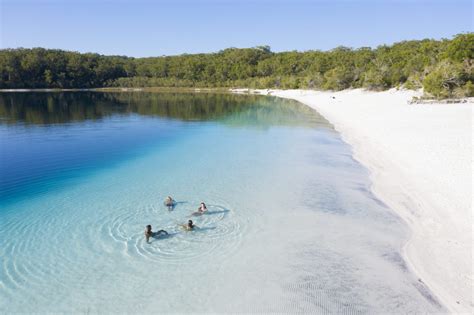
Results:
427 287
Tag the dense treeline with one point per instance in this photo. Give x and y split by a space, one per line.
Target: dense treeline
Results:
445 68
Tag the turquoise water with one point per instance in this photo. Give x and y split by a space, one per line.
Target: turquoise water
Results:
292 225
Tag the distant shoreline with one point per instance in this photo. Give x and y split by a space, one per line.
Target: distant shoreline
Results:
418 156
416 100
118 89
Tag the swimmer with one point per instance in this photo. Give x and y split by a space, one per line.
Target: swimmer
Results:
149 233
169 202
188 227
202 208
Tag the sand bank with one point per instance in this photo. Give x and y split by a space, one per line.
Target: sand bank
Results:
419 157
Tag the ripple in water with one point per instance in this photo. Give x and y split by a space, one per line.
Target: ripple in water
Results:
218 232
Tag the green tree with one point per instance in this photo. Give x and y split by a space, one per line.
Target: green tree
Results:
444 79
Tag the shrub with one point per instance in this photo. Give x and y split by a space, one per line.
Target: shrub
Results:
444 79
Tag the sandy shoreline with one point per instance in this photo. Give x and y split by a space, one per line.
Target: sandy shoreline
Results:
419 158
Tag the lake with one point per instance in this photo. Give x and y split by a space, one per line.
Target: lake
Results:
292 225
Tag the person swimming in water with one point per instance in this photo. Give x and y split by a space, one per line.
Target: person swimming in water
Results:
189 226
149 233
201 210
169 202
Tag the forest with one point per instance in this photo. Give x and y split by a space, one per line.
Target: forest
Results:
444 68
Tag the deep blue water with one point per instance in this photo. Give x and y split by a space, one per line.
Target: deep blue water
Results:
36 159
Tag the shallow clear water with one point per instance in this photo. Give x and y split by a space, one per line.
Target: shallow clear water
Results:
292 225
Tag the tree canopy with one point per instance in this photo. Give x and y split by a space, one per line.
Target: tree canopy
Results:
445 68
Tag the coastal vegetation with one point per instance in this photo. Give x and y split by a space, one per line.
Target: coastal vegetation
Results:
444 68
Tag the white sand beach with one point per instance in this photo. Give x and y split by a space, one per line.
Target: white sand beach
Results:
420 160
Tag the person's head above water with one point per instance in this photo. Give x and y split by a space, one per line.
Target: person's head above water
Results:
169 202
190 223
148 227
